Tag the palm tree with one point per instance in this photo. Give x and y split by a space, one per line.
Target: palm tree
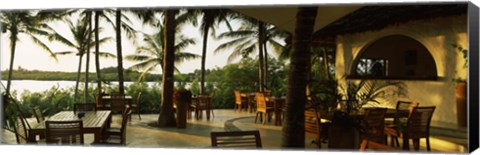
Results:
167 117
80 33
251 34
151 54
209 18
297 79
29 23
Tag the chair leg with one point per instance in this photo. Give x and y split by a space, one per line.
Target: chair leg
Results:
416 144
256 117
405 143
264 118
428 143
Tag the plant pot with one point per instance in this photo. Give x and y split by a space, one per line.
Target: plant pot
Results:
342 137
461 99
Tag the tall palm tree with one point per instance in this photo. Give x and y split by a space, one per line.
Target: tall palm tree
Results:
209 19
297 79
252 35
167 117
30 23
80 33
151 54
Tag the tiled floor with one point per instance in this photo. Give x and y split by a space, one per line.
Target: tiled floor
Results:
140 134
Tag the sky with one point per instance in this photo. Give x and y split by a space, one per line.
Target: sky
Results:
30 56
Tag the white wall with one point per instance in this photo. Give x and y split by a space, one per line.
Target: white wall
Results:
436 35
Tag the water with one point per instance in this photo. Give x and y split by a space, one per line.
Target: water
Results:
38 86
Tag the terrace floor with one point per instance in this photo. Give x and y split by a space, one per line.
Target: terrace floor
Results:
197 134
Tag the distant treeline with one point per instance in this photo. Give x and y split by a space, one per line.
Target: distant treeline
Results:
107 74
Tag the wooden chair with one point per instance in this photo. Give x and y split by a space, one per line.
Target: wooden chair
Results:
312 125
262 109
367 145
84 107
240 101
236 139
374 124
64 132
418 126
117 136
118 103
137 106
203 102
20 130
401 105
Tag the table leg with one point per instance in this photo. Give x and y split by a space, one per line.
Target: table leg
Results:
98 136
32 137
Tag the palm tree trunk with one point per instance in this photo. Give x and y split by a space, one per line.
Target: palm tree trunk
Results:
297 79
75 96
204 56
97 55
87 63
261 69
13 44
266 62
118 27
167 117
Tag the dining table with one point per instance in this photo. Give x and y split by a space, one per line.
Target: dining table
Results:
278 104
93 122
250 101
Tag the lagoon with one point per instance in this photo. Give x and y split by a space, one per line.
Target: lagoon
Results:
20 86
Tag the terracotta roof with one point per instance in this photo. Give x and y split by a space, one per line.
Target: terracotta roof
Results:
377 17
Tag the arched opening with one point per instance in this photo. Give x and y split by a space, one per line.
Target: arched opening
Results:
395 57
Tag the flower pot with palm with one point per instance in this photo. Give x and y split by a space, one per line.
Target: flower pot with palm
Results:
461 90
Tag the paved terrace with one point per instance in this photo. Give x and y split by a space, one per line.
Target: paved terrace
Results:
197 134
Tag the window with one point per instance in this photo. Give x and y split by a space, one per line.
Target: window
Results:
372 67
394 57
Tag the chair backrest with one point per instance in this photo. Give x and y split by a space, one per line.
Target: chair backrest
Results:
236 139
118 104
238 97
371 145
312 122
418 124
125 115
406 105
64 132
20 130
267 92
117 95
38 114
204 102
374 124
261 103
84 107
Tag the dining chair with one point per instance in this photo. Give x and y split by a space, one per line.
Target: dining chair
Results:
368 145
417 126
118 102
20 129
203 102
236 139
401 105
374 124
312 125
240 102
137 106
84 107
117 136
64 132
262 109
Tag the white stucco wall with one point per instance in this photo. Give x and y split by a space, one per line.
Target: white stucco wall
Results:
436 35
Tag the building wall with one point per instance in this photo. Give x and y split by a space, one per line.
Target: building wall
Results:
437 35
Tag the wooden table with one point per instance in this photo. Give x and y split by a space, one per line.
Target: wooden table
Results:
278 104
93 122
105 102
391 113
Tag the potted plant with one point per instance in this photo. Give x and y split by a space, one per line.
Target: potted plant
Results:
461 90
357 94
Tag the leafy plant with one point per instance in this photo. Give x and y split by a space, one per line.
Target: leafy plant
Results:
363 92
464 52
